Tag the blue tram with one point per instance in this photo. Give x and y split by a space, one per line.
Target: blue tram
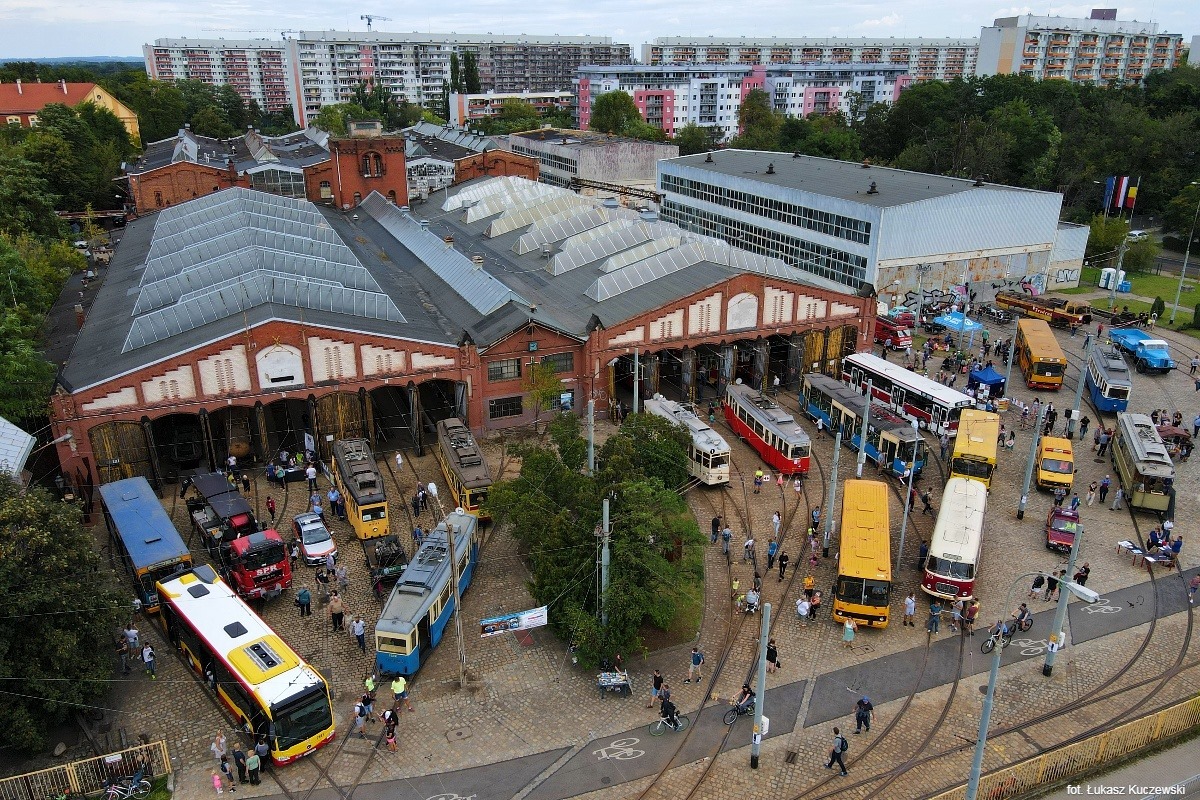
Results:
890 438
1107 380
422 601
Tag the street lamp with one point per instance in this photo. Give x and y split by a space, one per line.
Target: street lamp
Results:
1186 252
1083 593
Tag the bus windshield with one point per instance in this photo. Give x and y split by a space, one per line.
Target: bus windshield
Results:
301 719
951 569
1049 370
970 468
862 591
1057 465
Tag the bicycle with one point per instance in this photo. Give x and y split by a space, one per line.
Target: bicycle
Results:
732 714
989 644
127 787
661 726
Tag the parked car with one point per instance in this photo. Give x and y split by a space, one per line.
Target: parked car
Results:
1061 526
1137 236
316 542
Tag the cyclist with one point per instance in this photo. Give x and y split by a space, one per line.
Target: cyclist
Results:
1022 617
1002 629
745 699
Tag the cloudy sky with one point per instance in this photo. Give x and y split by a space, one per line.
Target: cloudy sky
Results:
47 28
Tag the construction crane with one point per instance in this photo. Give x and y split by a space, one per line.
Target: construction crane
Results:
372 17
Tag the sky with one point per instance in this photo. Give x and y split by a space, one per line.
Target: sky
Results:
54 28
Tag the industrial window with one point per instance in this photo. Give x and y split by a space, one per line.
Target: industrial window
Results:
326 190
561 362
505 370
505 407
281 182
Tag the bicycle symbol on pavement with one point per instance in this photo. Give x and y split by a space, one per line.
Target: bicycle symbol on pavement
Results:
619 750
1031 647
452 796
1101 606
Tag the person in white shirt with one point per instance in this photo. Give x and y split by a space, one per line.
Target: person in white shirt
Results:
802 609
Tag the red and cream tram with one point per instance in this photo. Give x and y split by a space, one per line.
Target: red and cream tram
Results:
770 430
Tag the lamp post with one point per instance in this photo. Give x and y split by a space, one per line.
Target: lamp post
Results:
985 718
1037 433
1083 371
912 473
1116 278
1187 251
454 577
921 270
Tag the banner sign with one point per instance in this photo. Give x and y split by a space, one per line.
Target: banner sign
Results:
522 620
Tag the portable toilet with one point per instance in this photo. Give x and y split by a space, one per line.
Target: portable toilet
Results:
1110 279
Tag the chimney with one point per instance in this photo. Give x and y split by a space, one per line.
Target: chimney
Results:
62 84
19 89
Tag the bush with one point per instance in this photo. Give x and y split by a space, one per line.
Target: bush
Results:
1196 317
1157 307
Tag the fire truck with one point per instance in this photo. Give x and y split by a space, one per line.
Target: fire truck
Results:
254 562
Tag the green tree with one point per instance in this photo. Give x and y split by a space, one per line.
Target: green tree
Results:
209 121
455 74
233 108
824 135
693 138
26 200
613 112
1157 307
514 108
1180 214
332 118
759 123
649 448
1105 236
1141 256
543 386
60 615
25 376
470 73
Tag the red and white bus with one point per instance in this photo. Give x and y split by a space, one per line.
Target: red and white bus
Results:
953 562
934 406
766 427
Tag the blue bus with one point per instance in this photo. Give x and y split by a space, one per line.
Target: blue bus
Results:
1108 382
416 612
150 547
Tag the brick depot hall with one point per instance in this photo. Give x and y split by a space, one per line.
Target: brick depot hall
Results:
243 322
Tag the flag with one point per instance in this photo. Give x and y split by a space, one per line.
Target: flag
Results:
1122 189
1110 186
1131 197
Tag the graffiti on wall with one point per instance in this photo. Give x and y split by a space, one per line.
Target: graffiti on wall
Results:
1067 275
1032 285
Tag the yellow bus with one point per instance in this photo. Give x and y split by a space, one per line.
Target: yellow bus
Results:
974 455
1040 358
864 579
1055 464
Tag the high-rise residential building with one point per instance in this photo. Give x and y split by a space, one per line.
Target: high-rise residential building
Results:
467 108
670 96
253 67
1099 49
923 59
327 65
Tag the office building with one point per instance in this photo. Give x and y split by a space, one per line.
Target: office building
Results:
923 59
255 68
673 95
1099 49
569 156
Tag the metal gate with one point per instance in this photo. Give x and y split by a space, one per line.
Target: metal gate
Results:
341 415
121 451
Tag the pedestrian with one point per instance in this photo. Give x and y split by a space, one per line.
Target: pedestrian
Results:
1075 501
271 507
317 508
359 629
304 601
779 481
337 611
969 618
245 484
231 465
311 474
1196 426
1193 585
926 500
1083 427
1099 329
123 654
1081 574
132 637
1059 495
330 563
1087 342
1104 484
1117 498
695 666
227 773
910 610
862 714
343 577
758 480
798 484
416 505
814 605
956 614
239 762
253 763
262 748
400 693
1091 492
922 554
772 549
294 553
748 549
1105 438
935 618
716 528
783 564
389 733
840 746
848 629
821 426
803 607
218 748
655 688
726 535
423 497
816 517
418 535
360 720
1039 581
148 659
772 656
776 521
1051 586
1195 364
944 444
216 781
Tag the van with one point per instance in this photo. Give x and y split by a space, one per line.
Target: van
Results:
887 328
1055 464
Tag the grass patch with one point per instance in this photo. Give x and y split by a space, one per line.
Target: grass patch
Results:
1163 286
159 790
1183 319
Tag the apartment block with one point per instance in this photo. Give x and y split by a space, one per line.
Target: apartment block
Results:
466 108
253 67
923 59
672 95
1098 49
327 65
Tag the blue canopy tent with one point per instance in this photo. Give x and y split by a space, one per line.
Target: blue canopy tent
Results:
987 383
957 321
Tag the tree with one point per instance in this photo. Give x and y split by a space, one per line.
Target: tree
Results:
209 121
233 108
26 201
1105 236
56 634
824 135
332 118
650 448
759 123
542 384
1156 308
1181 212
613 112
455 74
693 138
25 376
516 109
470 77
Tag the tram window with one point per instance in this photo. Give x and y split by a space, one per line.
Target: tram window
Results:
1117 392
374 513
720 460
392 644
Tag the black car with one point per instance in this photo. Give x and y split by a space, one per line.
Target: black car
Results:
929 326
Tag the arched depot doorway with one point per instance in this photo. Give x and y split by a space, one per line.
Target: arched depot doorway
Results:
232 430
341 415
122 450
285 423
179 445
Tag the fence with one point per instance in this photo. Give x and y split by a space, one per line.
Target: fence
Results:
1073 759
88 776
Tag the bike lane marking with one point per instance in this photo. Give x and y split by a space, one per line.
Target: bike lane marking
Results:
500 781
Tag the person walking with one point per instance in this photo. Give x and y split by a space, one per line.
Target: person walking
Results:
1193 586
910 610
1104 484
1105 438
933 626
1051 586
840 746
1091 492
1117 498
343 577
695 666
784 558
360 720
927 501
337 611
310 473
123 654
726 536
655 688
944 444
772 549
149 660
227 772
218 747
1083 427
132 638
848 629
1038 582
802 608
862 714
758 480
969 618
777 520
748 549
271 507
400 693
253 764
716 528
922 554
1075 501
1081 574
216 774
304 601
359 629
1194 365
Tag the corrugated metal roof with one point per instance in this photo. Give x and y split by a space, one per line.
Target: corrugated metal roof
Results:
15 447
521 216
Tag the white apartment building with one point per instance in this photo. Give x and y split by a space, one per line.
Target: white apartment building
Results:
1094 50
254 67
923 59
327 65
466 108
672 95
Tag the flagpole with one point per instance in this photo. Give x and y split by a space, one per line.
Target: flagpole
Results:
1133 193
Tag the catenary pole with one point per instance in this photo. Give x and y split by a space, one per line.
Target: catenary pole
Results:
591 437
605 557
912 473
832 498
1033 451
761 689
1079 391
862 434
1057 638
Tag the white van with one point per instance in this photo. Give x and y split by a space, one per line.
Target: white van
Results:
1137 236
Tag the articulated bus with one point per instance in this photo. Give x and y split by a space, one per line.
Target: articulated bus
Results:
357 478
708 453
1040 358
914 396
974 454
1143 464
892 443
150 546
951 568
864 575
464 466
272 692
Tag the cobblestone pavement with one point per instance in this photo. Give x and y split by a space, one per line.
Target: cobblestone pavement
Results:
528 698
